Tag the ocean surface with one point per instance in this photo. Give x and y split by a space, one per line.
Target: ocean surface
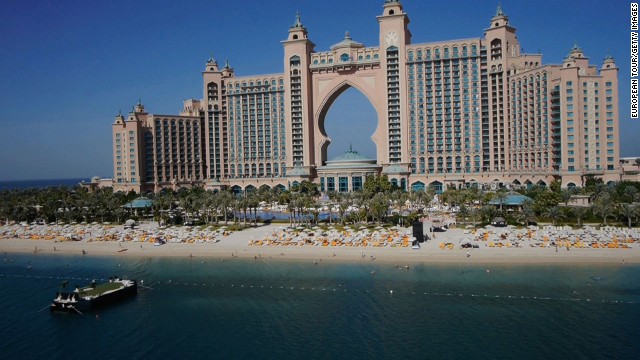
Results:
30 184
240 309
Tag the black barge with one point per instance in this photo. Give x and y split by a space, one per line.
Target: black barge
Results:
94 295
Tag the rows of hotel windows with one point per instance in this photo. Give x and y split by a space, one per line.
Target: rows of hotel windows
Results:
436 53
297 137
442 92
591 111
530 125
556 129
259 170
368 54
177 150
217 130
444 105
445 164
493 133
256 128
255 86
125 160
393 104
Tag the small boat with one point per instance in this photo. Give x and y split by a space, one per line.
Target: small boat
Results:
94 295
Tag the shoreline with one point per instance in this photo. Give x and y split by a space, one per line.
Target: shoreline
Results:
428 254
522 246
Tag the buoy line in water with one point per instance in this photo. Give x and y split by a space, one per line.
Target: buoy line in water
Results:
342 289
396 293
49 277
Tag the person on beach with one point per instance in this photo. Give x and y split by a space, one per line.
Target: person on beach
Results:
468 255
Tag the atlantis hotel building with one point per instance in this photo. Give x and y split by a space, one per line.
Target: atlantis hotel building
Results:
468 112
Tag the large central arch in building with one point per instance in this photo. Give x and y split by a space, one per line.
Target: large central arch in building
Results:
329 88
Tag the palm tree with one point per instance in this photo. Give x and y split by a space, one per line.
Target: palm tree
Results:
631 192
629 212
488 212
243 205
579 212
161 204
463 213
501 196
474 213
334 198
226 201
252 203
343 205
379 207
565 195
554 214
604 207
527 214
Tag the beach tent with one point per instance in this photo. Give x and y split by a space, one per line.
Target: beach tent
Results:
512 200
499 222
140 203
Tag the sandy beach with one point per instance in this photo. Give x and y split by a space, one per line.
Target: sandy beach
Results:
445 248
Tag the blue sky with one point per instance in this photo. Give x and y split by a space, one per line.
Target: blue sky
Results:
67 67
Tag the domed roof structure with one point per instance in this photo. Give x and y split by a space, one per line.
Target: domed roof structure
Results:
347 42
351 159
350 155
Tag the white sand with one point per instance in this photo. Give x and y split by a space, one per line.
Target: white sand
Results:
237 245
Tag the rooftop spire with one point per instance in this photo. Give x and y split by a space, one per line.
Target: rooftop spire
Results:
226 63
298 22
608 58
575 46
499 11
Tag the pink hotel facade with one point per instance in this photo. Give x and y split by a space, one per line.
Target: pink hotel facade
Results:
468 112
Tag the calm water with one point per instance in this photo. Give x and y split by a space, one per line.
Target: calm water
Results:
279 310
38 184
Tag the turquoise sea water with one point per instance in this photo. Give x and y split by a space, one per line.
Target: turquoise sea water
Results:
291 310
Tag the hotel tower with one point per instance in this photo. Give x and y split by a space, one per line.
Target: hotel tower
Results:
470 112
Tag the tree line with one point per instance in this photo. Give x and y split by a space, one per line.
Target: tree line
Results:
379 201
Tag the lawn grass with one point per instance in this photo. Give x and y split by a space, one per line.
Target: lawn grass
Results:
100 288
